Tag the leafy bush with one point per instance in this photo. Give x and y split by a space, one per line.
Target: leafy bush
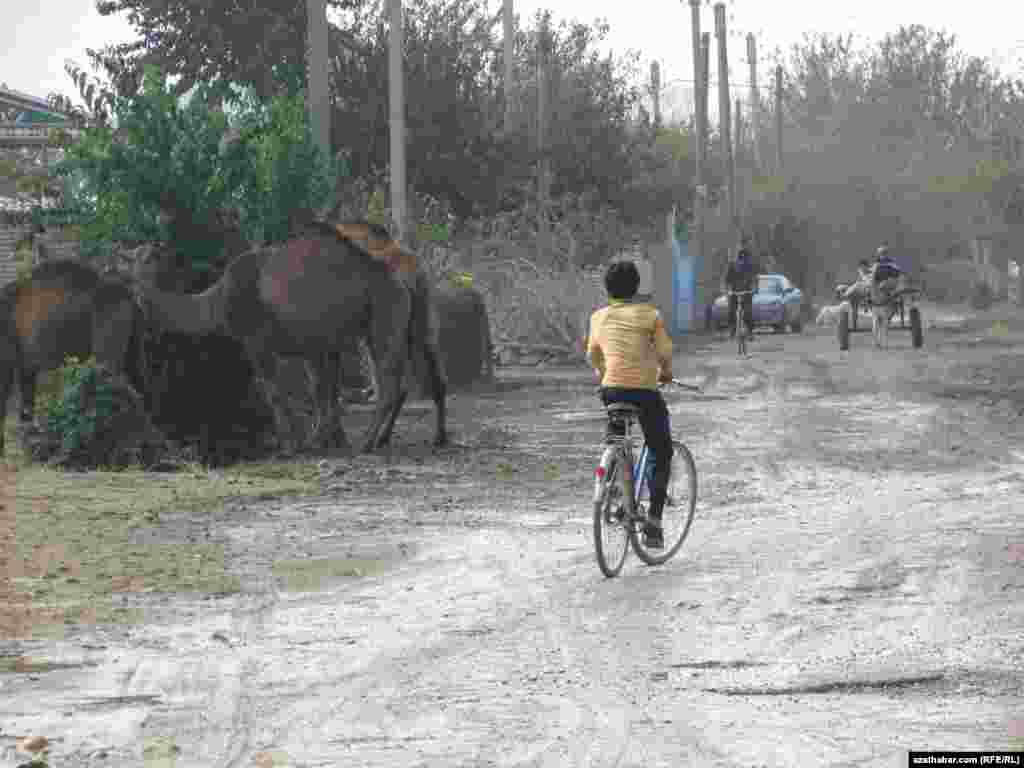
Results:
92 418
63 409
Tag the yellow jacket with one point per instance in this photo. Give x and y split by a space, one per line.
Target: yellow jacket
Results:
628 346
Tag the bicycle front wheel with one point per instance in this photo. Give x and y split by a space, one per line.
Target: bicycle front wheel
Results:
680 506
611 529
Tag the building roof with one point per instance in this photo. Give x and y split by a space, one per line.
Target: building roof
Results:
25 101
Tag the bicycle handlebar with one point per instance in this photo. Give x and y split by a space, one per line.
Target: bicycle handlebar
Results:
663 384
681 385
739 293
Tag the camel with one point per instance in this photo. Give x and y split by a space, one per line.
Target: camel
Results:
64 308
302 299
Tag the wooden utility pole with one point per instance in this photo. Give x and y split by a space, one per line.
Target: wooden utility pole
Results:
656 91
396 90
755 100
507 85
319 97
778 120
700 128
724 122
542 119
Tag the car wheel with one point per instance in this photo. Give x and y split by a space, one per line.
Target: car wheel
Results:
797 326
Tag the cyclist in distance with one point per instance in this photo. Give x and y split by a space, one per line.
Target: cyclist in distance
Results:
631 353
742 276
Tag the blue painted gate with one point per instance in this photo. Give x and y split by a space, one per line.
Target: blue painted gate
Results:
684 282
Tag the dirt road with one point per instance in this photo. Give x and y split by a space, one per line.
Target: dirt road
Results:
851 590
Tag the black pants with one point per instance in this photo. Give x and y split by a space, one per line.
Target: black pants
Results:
748 314
657 433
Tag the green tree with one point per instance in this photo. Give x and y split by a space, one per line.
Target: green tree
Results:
168 156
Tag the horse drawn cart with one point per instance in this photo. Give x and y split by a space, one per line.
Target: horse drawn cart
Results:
858 308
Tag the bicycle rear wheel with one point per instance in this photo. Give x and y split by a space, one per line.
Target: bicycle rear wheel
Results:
680 506
611 530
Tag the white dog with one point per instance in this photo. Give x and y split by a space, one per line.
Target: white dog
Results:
830 315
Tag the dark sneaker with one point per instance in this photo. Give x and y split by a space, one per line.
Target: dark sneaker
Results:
653 538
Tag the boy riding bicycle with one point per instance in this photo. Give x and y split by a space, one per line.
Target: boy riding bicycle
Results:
631 353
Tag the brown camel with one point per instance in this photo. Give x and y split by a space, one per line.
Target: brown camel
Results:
302 299
64 308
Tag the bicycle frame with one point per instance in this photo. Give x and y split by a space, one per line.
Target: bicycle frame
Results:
638 477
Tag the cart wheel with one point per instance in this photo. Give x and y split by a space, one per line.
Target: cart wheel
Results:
916 334
843 330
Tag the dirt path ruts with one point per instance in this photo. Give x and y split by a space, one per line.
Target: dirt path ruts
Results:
851 590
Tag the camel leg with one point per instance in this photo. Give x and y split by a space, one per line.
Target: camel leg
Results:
391 395
6 380
385 437
264 365
389 346
438 387
27 387
329 433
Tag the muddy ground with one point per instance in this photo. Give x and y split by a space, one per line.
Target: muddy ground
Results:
853 586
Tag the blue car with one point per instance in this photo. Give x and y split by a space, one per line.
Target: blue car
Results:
777 303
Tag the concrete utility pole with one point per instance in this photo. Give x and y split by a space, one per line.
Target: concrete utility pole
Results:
319 95
507 85
396 83
705 90
542 120
738 155
700 128
778 120
724 123
656 91
755 100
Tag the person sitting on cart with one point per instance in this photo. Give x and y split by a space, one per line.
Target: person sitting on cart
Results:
885 276
859 291
742 276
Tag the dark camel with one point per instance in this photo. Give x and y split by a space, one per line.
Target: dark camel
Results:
301 299
64 308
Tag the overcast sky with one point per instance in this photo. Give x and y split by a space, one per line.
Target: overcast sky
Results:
37 36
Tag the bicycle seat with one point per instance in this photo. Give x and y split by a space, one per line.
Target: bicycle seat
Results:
623 409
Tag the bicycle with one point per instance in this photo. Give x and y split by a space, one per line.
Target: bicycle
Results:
741 334
620 511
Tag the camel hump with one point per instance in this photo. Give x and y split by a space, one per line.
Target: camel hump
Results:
378 243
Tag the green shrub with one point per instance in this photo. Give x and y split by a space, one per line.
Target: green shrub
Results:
92 418
65 414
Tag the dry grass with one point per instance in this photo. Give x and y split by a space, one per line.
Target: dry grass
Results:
66 538
533 305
